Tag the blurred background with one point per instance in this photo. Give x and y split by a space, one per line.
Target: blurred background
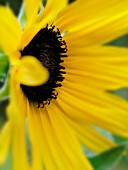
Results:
122 163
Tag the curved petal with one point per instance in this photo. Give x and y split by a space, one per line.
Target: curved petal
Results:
98 22
19 148
86 133
37 139
57 151
17 98
5 141
32 8
94 108
10 31
74 152
53 7
49 146
31 72
105 65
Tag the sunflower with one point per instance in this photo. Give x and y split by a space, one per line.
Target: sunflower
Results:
60 73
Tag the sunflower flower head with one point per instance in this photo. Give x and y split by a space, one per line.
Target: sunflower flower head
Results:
60 72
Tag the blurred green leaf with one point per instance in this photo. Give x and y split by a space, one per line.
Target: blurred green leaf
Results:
4 65
123 92
4 91
121 41
120 140
3 116
123 163
108 159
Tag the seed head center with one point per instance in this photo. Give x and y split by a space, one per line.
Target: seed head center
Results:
49 48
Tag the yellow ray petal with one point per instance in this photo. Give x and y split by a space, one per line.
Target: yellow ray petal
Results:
56 152
98 111
17 101
37 163
37 137
34 137
102 73
92 139
18 132
100 100
5 141
106 66
45 18
31 72
87 134
63 131
54 7
10 31
32 8
89 81
97 21
29 34
19 149
109 53
49 137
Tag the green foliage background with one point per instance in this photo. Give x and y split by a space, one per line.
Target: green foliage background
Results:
115 159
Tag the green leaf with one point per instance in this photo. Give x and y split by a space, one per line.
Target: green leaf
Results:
123 163
107 160
122 41
4 91
120 140
4 65
123 92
